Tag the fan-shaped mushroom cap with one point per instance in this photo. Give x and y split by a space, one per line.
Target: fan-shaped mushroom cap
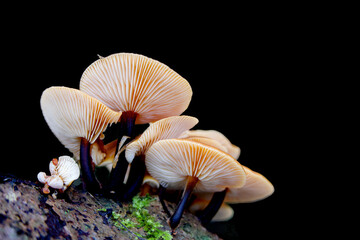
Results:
171 127
132 82
256 188
55 182
67 169
225 212
208 141
63 172
233 150
173 160
72 115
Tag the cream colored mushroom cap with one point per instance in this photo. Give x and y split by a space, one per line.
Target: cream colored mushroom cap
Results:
172 161
208 141
233 150
133 82
42 177
72 115
55 182
171 127
256 188
225 212
67 169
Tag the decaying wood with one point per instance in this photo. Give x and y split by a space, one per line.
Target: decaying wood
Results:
26 213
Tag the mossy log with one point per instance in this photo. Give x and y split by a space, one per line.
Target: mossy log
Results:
26 213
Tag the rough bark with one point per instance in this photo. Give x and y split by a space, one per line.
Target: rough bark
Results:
26 213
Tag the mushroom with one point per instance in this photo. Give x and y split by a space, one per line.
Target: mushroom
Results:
225 212
227 146
143 89
208 141
256 188
148 184
103 155
183 164
166 128
63 172
77 120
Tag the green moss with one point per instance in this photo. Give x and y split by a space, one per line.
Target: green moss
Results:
141 219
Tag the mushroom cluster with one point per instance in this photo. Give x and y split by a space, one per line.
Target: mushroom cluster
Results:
130 90
63 172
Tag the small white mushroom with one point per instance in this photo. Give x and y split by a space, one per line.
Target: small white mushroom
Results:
42 177
63 172
55 182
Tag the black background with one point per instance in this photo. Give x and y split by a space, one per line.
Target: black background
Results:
246 73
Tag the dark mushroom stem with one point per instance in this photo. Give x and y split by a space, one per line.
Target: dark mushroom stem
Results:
212 208
87 168
161 193
125 128
135 180
176 217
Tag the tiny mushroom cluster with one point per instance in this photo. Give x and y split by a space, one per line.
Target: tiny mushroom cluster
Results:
128 90
63 172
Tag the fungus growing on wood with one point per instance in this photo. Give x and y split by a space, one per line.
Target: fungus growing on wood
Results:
256 188
63 172
77 120
143 89
191 166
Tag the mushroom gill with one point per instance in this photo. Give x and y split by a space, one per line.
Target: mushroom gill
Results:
143 89
214 135
183 164
63 172
135 151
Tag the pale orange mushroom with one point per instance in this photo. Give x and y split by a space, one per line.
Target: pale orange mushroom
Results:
143 89
225 212
166 128
183 164
127 82
77 120
256 188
